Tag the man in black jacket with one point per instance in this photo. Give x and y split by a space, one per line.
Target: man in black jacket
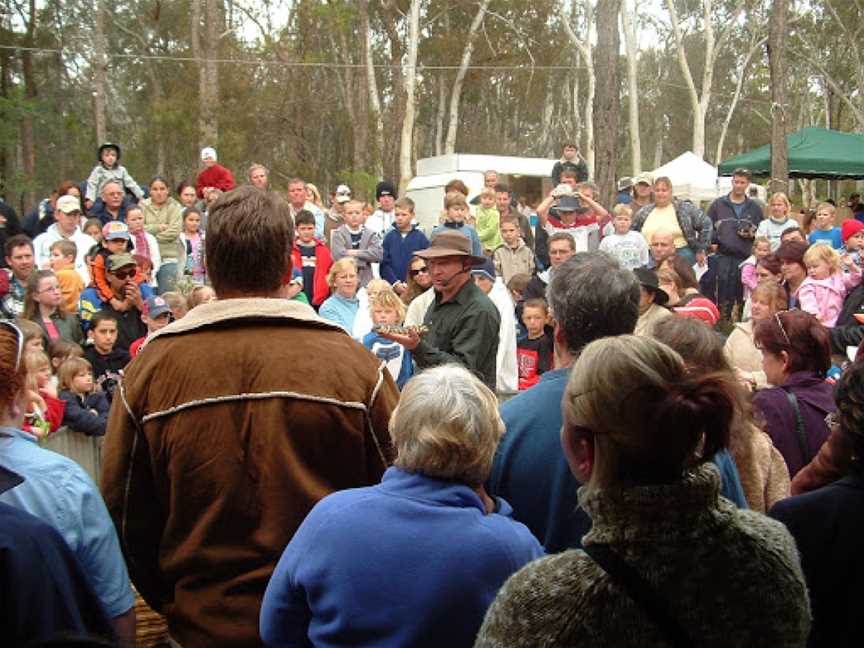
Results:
735 218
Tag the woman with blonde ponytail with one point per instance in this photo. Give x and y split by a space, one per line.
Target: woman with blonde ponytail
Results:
668 561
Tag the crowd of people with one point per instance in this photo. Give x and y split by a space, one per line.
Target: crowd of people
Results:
529 424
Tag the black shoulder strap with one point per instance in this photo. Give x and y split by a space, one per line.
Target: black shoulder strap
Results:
640 591
801 433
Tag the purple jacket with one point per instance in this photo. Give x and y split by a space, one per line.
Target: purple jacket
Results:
815 398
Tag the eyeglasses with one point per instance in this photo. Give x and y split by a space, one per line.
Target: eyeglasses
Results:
782 329
418 271
51 289
122 275
20 335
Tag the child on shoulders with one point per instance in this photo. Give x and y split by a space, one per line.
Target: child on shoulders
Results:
62 262
823 291
487 218
109 169
456 208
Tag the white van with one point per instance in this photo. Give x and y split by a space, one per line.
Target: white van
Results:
528 177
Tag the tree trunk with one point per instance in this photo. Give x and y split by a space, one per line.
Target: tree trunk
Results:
607 101
456 93
583 46
376 157
700 104
28 144
738 86
100 80
209 70
632 89
406 143
777 63
439 115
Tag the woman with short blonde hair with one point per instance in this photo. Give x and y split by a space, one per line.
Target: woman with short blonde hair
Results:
416 560
640 430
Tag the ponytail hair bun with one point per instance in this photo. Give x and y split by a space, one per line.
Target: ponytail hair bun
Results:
650 419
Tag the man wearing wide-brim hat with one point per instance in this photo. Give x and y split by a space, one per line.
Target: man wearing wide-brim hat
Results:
463 322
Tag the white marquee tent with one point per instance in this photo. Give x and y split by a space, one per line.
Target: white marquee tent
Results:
693 178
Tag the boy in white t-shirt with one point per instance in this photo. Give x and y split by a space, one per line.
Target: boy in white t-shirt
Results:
628 247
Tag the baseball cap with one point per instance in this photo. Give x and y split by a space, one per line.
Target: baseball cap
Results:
208 152
116 261
343 193
115 230
701 309
68 204
157 306
486 270
643 178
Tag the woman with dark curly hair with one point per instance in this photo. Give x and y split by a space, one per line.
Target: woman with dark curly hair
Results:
828 525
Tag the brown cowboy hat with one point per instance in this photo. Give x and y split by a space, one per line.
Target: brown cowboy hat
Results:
449 242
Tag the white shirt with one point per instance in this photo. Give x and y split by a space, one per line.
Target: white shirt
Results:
42 249
507 371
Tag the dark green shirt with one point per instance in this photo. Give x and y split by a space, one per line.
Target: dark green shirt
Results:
463 330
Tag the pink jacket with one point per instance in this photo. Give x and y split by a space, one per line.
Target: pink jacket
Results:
749 278
824 297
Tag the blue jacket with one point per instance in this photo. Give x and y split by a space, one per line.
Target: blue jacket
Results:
78 415
530 471
413 561
467 230
398 252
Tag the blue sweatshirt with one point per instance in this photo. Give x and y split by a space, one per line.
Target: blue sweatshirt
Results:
398 251
413 561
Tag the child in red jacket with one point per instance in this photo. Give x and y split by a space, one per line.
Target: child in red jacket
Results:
312 258
214 175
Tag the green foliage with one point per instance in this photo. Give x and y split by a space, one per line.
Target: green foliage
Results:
296 98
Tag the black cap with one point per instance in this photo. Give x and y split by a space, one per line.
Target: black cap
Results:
385 188
648 279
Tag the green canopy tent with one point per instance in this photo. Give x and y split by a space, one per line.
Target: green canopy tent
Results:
813 153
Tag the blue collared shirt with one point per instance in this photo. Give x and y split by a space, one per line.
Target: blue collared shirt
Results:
59 492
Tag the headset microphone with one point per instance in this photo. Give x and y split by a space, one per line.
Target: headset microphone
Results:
446 282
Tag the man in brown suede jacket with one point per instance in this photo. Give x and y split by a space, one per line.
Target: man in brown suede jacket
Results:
231 425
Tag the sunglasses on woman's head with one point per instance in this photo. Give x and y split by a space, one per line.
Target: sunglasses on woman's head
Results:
20 335
423 270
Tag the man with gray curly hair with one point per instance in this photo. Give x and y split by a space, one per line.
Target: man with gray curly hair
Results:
590 296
